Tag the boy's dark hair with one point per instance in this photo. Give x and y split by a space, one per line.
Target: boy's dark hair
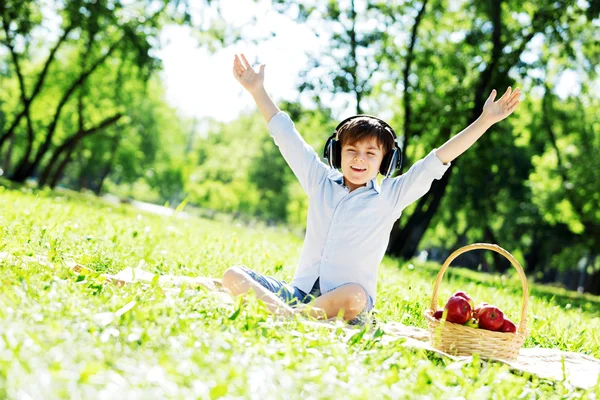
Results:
362 128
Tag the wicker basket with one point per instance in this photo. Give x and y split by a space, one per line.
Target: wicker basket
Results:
463 340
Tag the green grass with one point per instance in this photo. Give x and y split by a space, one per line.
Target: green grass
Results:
58 338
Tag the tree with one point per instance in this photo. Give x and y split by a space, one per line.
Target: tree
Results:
356 43
112 31
506 38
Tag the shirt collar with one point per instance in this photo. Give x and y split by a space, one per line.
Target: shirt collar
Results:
338 178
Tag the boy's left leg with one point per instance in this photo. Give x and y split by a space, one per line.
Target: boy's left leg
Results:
351 299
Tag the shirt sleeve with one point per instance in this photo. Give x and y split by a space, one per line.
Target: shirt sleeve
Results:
299 155
412 185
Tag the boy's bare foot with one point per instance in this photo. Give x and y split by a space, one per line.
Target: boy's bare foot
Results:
312 312
81 270
210 284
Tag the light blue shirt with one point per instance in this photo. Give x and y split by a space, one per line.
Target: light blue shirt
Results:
347 233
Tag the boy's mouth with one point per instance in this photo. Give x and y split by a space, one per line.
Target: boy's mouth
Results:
357 169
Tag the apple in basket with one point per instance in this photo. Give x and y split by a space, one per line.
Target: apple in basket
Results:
508 326
465 296
478 308
491 318
438 314
459 310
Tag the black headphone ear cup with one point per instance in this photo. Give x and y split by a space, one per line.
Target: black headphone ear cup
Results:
336 155
385 163
327 151
390 162
332 153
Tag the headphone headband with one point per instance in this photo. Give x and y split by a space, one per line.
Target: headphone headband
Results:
386 126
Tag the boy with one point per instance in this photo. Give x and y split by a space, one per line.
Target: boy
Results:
349 217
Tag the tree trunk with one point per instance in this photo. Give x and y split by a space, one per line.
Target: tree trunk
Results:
406 98
109 164
592 281
72 141
61 168
8 155
533 256
405 241
501 264
461 239
83 178
354 72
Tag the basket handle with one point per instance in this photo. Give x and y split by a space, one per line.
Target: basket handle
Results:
497 249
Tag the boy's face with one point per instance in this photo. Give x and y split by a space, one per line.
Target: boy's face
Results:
361 162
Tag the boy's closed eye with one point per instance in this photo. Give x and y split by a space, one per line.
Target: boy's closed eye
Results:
370 153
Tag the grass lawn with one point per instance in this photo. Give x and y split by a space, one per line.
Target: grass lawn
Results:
59 337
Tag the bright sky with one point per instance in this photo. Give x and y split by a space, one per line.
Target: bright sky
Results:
201 84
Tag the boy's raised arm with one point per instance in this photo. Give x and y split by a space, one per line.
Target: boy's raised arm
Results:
300 156
493 112
417 181
253 82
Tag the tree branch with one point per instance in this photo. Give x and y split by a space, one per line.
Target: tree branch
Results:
72 140
25 168
406 97
37 87
15 59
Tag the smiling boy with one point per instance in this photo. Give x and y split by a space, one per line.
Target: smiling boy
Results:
350 216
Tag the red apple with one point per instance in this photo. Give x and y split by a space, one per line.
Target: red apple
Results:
508 326
459 310
465 296
491 318
478 308
438 314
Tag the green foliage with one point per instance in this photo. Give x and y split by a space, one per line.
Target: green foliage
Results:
270 174
220 179
240 169
358 34
97 69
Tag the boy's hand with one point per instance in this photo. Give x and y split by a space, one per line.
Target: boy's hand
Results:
246 76
493 111
496 111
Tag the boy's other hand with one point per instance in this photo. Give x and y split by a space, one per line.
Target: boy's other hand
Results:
496 111
246 76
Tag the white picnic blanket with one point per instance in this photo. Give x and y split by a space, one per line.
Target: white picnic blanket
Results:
579 370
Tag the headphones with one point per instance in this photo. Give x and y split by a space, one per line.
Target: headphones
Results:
391 161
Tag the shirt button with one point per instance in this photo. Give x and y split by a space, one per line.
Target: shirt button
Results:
335 221
325 258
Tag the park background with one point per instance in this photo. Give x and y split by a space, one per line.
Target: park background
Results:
136 99
107 106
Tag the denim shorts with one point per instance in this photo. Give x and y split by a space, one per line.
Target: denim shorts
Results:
294 296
